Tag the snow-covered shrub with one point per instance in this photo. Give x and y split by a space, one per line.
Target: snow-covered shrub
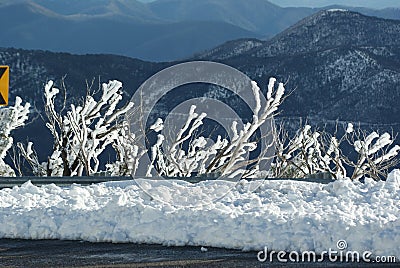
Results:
296 157
10 118
222 156
81 133
376 154
311 152
128 153
308 152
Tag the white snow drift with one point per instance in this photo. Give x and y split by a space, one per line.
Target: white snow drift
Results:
282 215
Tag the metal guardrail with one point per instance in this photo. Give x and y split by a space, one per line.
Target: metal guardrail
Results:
9 182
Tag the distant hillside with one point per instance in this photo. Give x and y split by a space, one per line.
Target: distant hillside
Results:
321 31
259 16
162 30
117 30
343 65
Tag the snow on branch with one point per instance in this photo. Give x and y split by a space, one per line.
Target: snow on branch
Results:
128 153
82 133
312 151
376 154
10 118
222 156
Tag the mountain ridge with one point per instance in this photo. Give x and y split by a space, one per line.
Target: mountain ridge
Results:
351 74
28 25
350 26
143 30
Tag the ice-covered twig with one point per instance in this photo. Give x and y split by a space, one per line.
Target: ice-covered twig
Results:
11 118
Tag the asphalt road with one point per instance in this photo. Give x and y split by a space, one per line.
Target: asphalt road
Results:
56 253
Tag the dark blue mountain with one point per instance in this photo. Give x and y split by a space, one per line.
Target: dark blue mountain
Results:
163 30
115 30
343 65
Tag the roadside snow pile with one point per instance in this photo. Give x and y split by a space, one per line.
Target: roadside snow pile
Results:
282 215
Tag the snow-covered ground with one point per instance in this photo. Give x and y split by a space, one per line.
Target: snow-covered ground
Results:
282 215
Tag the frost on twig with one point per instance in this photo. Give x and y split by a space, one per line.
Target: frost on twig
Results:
10 118
311 152
221 156
128 153
375 154
174 161
81 134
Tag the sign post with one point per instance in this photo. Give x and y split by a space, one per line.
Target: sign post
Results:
4 84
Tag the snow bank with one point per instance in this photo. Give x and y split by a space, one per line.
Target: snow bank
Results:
282 215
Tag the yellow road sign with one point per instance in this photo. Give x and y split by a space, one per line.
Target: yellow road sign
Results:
4 83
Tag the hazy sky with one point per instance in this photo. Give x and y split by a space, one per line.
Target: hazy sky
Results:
320 3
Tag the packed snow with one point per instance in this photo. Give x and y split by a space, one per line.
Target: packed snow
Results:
282 215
